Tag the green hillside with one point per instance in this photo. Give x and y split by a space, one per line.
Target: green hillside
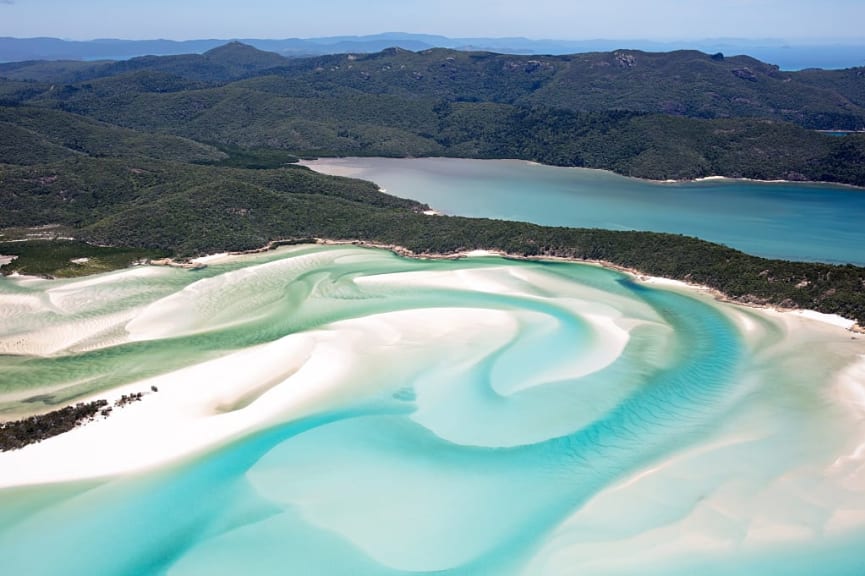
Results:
191 154
221 64
682 83
35 136
673 115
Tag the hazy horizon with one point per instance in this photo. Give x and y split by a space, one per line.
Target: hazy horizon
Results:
792 21
780 42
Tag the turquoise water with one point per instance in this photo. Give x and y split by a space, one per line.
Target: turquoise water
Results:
493 417
810 222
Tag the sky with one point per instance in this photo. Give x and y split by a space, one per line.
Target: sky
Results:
556 19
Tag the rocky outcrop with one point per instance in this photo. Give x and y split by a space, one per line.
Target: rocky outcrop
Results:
625 60
745 74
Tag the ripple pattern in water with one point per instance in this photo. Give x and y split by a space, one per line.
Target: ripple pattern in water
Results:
393 416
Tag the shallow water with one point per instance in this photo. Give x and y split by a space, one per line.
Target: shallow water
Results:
489 417
810 222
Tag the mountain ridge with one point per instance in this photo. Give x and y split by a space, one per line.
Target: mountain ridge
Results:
682 83
815 54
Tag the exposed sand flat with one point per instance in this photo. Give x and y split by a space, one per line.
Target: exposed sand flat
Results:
332 167
223 300
832 319
77 334
132 274
739 509
471 279
705 500
206 404
851 385
739 484
69 315
285 379
211 258
666 282
724 501
849 468
14 306
611 332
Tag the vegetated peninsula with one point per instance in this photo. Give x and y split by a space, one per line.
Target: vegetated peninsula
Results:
192 154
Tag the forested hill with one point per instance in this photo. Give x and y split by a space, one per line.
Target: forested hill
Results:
654 115
683 83
194 154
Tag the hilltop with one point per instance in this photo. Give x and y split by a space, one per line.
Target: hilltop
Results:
674 115
682 83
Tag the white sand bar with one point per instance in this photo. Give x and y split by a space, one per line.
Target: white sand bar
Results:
209 403
203 405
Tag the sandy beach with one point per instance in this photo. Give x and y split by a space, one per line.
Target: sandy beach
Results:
201 406
334 167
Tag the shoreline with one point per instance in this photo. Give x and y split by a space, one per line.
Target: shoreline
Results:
849 324
712 178
201 262
758 181
203 405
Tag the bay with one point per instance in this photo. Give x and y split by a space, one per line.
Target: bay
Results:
793 221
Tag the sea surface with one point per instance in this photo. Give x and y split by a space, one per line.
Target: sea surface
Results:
794 221
489 416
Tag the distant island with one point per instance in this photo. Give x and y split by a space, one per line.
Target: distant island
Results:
828 54
190 154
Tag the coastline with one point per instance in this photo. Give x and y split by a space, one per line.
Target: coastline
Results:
203 261
352 173
846 323
204 405
759 181
849 324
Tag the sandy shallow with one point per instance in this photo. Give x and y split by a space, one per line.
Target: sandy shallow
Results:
210 403
725 505
207 404
467 399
